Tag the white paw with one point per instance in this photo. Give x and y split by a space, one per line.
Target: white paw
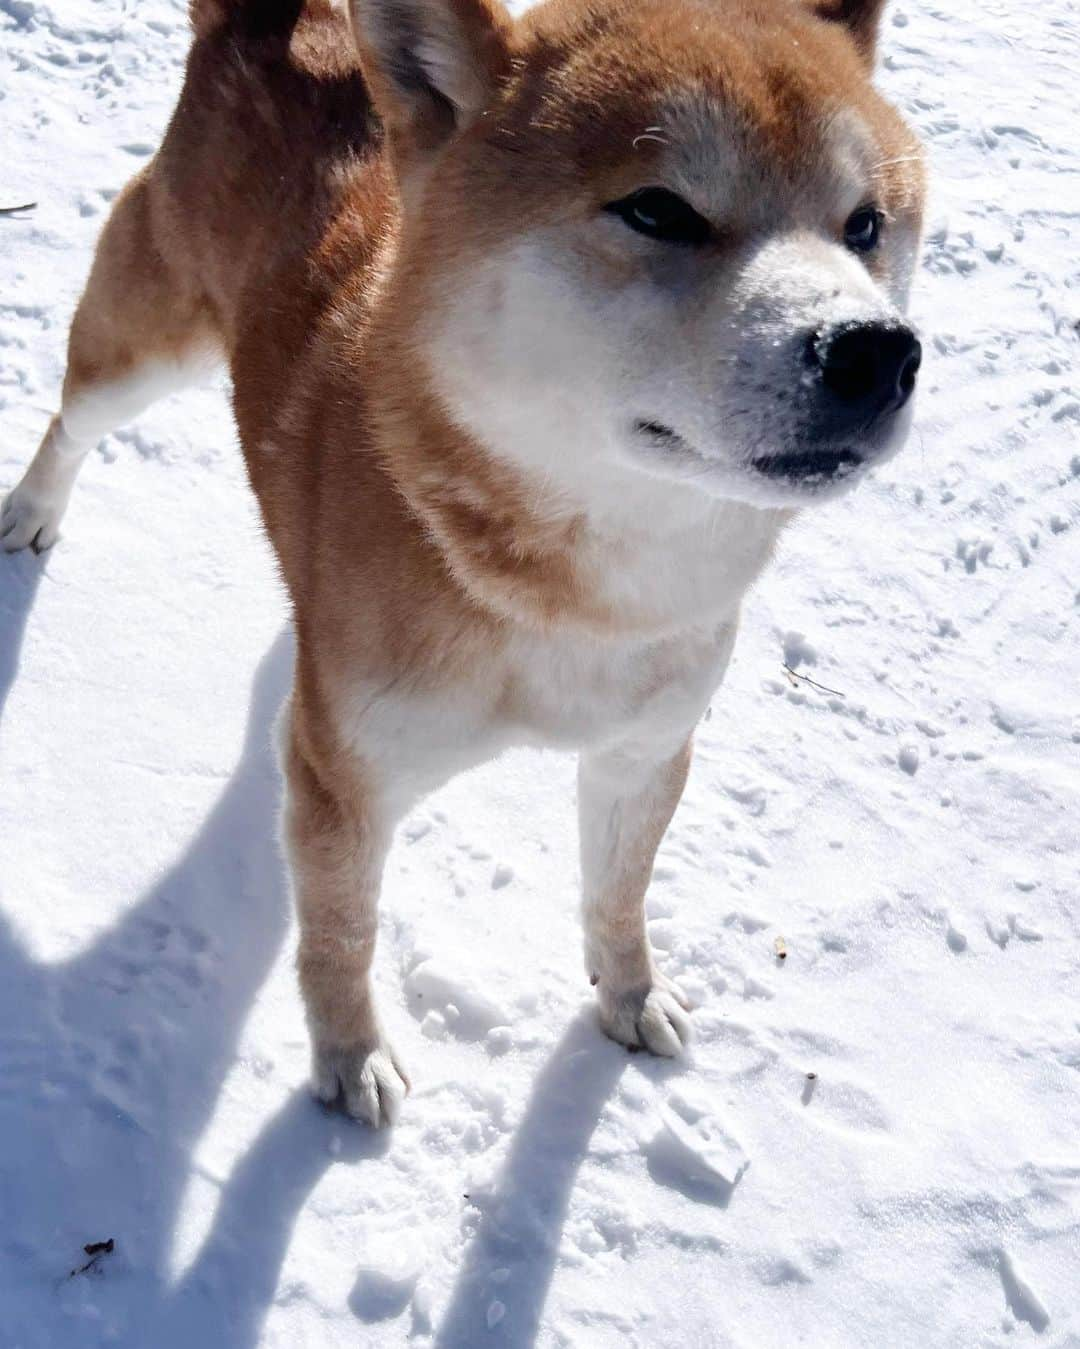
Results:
653 1018
29 519
368 1078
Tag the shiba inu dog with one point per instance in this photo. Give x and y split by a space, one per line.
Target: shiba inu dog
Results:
540 329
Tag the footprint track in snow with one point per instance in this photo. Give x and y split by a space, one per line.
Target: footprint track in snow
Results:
1020 1298
694 1152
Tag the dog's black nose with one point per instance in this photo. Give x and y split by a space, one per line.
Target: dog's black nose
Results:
871 366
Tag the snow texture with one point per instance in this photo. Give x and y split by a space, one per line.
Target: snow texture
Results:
914 842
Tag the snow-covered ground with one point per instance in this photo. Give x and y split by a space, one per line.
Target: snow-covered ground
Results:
913 842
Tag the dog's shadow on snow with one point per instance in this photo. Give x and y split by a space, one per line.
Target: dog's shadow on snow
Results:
503 1282
113 1063
22 575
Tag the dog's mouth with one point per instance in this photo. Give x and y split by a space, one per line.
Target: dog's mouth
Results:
809 466
661 435
817 464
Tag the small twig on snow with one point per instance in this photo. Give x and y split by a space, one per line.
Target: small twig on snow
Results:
95 1250
821 688
11 210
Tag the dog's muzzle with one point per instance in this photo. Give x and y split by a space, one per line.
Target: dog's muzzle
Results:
858 376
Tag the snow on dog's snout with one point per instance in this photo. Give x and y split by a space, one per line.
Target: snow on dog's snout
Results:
763 395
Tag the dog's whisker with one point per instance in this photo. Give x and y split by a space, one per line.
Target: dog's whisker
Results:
649 135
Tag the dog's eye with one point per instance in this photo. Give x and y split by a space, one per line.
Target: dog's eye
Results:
863 229
662 215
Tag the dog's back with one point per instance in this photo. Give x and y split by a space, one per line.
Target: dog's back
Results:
273 124
270 184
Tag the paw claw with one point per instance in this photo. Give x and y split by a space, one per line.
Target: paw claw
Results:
654 1018
368 1079
29 521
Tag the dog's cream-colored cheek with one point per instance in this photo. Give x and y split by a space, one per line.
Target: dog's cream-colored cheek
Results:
647 319
524 356
634 344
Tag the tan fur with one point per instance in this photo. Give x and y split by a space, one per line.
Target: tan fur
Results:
314 242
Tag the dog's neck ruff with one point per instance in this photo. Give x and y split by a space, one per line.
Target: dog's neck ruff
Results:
509 556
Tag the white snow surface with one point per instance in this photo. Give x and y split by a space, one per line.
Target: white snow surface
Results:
913 842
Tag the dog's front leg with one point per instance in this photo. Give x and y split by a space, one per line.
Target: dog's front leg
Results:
625 803
338 836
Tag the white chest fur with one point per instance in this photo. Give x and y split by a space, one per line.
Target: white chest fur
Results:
567 692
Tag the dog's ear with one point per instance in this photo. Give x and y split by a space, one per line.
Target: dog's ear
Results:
431 64
860 17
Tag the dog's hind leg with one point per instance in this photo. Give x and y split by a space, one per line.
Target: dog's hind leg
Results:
337 832
141 330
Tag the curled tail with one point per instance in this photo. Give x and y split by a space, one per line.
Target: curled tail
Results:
247 20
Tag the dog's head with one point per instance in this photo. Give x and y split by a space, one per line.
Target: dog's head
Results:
659 237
